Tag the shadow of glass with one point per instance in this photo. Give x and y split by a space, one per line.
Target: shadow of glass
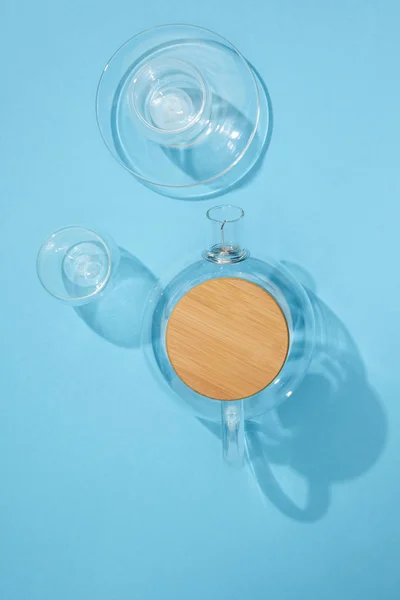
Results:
332 430
260 149
118 315
224 144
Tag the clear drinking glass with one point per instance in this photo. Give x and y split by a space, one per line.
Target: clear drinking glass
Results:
181 109
76 265
225 257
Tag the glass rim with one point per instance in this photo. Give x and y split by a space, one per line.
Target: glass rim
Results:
237 159
166 132
240 210
74 298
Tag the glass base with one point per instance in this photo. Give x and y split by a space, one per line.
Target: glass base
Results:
85 267
225 254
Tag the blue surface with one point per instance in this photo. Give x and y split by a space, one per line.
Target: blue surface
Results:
108 489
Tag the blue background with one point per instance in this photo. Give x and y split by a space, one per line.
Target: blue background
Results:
108 489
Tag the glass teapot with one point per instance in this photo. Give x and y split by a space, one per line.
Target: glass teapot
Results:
221 317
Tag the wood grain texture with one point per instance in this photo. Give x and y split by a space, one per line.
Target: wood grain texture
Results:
227 338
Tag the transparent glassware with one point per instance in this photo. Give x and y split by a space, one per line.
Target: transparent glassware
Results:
76 265
181 109
226 257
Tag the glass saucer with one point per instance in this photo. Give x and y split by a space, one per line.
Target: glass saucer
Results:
181 109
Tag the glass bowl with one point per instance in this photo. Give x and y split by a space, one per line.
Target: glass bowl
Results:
75 265
181 109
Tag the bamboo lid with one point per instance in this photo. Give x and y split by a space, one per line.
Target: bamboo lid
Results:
227 338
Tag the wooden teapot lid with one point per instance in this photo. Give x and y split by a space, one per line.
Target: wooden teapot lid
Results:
227 338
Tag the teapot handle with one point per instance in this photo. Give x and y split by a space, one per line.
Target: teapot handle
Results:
233 437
